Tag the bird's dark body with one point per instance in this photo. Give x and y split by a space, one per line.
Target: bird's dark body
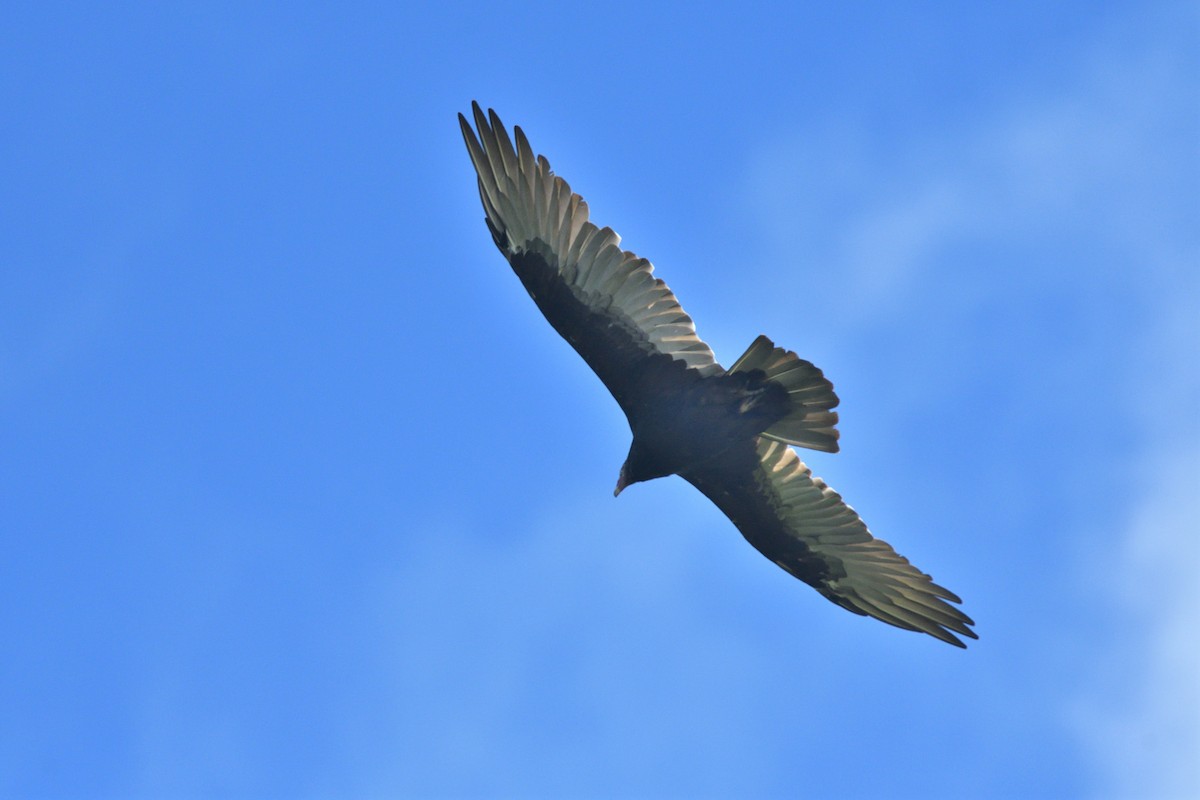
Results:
680 420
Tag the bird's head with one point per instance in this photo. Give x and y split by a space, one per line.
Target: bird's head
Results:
639 466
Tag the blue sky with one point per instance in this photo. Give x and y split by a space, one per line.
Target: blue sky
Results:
302 498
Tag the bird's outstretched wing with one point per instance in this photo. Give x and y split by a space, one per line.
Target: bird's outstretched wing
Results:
806 528
603 300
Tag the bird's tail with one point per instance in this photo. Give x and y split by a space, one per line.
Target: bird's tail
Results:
810 421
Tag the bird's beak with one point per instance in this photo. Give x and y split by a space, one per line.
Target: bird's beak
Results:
621 484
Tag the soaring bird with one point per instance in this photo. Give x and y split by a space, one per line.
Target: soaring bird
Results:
725 431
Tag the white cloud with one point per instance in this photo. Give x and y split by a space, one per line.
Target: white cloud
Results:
1140 711
1093 153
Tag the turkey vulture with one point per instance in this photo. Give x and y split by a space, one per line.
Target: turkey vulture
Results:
725 431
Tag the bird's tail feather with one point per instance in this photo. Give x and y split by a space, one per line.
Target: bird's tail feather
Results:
810 422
